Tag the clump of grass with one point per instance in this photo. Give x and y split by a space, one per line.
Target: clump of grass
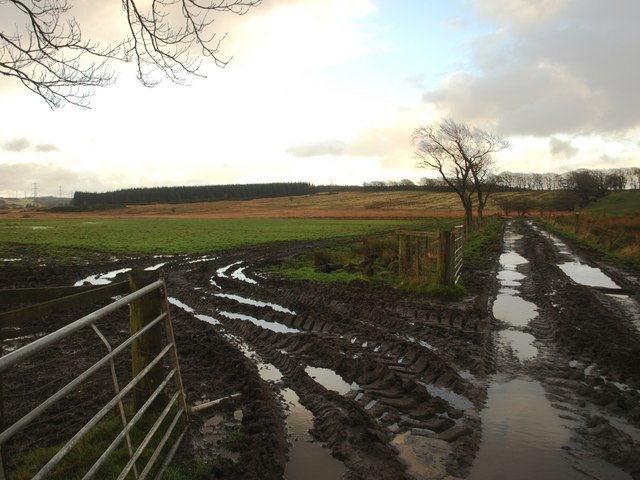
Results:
89 449
234 439
616 238
479 243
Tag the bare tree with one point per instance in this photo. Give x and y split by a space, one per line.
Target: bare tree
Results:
462 157
49 55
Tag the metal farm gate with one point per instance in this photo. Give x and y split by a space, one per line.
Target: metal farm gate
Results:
61 380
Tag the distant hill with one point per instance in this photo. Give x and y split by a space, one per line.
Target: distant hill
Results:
625 202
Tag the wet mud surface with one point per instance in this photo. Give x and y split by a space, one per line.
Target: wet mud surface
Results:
417 370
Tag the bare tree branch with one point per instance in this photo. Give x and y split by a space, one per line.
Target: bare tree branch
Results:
461 156
48 54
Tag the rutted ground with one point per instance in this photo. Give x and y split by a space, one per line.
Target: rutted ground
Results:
417 368
413 362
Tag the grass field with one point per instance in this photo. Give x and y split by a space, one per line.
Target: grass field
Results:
212 226
617 203
157 236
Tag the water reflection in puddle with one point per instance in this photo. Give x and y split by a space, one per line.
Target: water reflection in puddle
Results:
273 326
455 400
308 460
587 275
510 278
101 278
520 342
330 380
523 437
237 274
255 303
512 258
188 309
514 310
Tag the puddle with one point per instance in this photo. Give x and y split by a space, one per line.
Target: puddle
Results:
466 375
156 267
237 274
587 275
455 400
512 258
630 307
206 258
179 304
523 437
308 460
188 309
222 272
207 318
521 343
424 457
273 326
101 278
422 343
255 303
514 310
330 380
510 278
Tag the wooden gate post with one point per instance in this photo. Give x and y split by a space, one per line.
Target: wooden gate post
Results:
145 348
445 258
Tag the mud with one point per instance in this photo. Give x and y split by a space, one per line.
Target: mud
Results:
417 370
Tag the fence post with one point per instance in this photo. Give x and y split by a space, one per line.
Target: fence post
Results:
402 253
444 263
145 348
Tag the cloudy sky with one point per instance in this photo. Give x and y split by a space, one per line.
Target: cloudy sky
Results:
329 91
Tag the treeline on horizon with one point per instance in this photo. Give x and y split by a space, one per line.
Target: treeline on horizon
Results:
589 183
190 194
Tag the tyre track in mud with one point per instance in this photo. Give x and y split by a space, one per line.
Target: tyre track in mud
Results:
414 361
588 355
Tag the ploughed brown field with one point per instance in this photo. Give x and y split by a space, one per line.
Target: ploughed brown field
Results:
340 205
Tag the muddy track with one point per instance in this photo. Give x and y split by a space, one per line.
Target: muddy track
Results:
417 367
588 353
411 359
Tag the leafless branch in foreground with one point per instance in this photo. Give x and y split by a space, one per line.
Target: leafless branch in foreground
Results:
47 52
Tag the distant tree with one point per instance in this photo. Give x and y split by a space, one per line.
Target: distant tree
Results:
615 180
48 53
462 157
634 177
589 184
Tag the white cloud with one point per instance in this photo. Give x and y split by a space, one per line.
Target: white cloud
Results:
565 68
317 149
562 148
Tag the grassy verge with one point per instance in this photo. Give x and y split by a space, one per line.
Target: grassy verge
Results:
479 243
89 449
373 258
617 239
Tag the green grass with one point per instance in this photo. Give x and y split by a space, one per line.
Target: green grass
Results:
479 243
87 451
626 202
69 237
352 256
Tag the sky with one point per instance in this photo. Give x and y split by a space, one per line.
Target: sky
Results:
330 91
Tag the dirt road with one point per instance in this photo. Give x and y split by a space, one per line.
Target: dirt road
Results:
391 384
